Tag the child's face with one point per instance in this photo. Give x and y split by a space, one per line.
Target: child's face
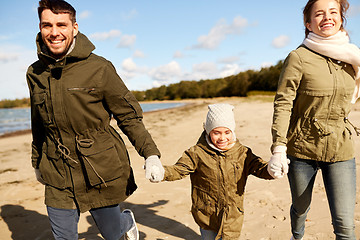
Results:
221 137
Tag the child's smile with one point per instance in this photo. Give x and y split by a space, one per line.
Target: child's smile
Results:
221 137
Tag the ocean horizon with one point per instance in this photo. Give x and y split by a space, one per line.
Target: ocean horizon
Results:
18 119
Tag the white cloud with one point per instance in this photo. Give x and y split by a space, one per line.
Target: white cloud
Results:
4 37
130 15
14 62
230 59
126 76
210 70
157 84
219 32
84 14
138 54
166 73
205 70
178 54
127 41
129 65
229 69
281 41
8 57
129 69
266 64
205 67
102 36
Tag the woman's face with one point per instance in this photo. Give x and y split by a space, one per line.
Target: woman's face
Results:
325 18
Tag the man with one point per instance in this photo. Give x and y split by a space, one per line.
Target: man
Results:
80 158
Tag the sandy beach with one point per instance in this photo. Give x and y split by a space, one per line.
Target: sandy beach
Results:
162 210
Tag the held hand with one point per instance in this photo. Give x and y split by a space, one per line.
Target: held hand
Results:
39 177
278 165
154 170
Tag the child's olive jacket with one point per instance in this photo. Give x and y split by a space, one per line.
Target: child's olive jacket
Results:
82 159
218 182
312 106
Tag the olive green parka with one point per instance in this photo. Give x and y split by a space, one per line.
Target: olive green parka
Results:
82 159
312 105
218 182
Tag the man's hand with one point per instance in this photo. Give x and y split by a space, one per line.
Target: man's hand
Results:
154 170
278 164
39 177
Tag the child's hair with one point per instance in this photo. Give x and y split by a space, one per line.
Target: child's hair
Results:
220 115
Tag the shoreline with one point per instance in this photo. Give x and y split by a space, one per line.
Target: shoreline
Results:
28 131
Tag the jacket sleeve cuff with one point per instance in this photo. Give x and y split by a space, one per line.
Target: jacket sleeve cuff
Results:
280 149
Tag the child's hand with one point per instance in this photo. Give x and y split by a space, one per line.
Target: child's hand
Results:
154 170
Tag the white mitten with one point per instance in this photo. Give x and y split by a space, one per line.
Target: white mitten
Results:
278 164
154 170
38 176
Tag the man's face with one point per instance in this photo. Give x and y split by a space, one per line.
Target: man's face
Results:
57 32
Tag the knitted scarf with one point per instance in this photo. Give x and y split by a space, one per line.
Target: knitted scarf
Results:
338 47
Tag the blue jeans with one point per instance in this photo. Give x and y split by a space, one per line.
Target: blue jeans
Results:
208 234
340 185
111 223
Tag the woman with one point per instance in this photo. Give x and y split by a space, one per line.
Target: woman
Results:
318 83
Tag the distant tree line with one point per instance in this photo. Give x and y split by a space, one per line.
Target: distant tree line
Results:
6 103
240 84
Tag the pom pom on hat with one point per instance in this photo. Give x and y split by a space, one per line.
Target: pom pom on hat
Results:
220 115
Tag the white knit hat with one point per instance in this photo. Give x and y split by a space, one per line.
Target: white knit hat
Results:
220 115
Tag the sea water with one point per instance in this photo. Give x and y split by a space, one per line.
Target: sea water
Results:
18 119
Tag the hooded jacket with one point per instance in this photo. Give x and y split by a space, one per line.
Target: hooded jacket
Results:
312 105
218 182
82 159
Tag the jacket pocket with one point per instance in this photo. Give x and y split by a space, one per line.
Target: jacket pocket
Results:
238 170
40 105
99 157
52 167
311 136
203 202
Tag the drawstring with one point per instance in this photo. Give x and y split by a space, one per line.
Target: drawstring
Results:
88 143
97 174
322 132
65 152
357 130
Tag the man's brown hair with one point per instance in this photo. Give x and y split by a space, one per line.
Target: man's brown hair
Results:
57 6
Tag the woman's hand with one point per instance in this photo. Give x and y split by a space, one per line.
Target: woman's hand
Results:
278 165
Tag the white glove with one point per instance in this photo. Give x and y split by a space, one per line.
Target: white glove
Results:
154 170
39 177
278 164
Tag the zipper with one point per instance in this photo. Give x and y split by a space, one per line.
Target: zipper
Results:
331 101
81 89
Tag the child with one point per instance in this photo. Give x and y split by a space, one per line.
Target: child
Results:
218 166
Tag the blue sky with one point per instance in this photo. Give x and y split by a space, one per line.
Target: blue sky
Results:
152 43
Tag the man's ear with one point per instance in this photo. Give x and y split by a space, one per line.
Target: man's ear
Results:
76 29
